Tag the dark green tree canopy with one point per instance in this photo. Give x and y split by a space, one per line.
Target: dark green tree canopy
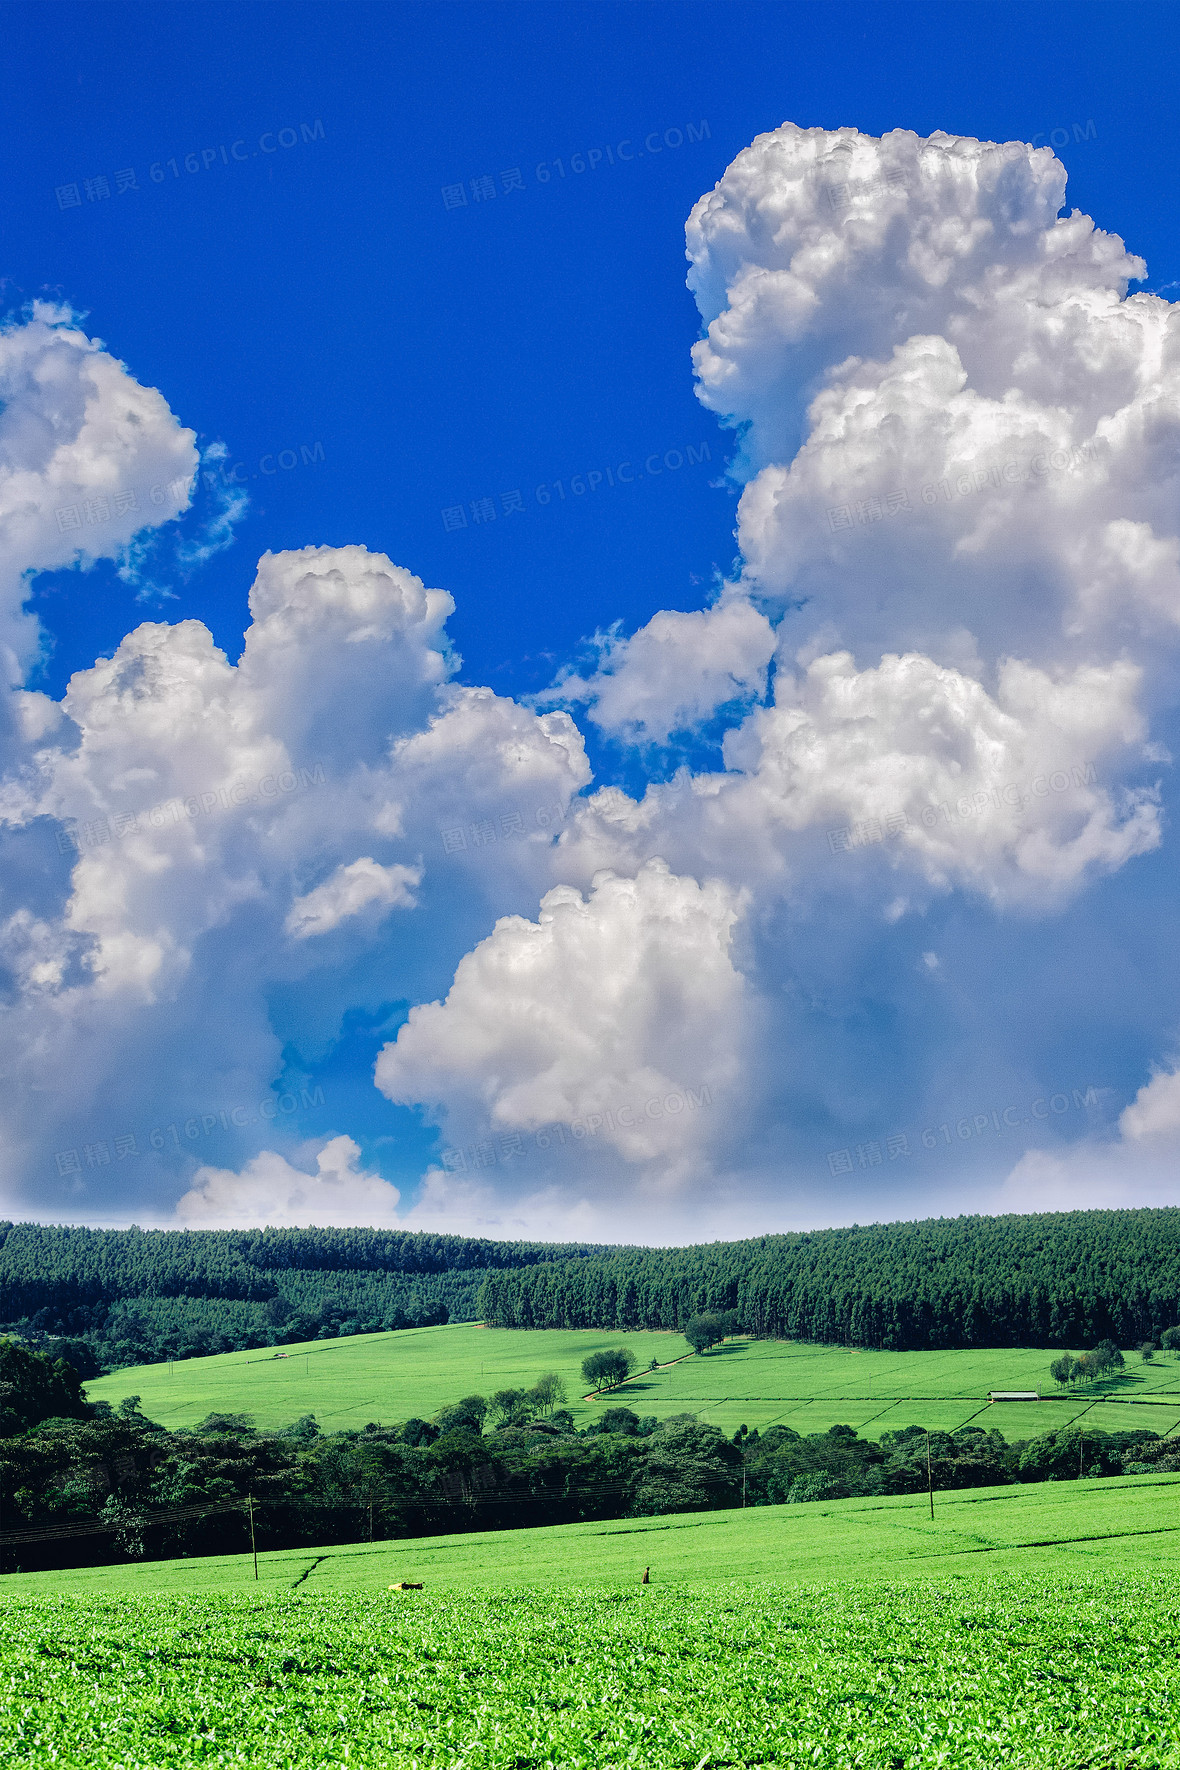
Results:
606 1370
1070 1278
35 1388
705 1331
107 1298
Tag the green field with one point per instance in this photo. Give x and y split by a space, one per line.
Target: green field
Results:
390 1377
1124 1522
1029 1626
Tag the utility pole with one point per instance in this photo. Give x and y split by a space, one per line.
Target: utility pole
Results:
929 1478
253 1544
1081 1442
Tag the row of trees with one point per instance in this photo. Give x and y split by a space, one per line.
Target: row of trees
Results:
484 1462
1059 1279
609 1369
1088 1367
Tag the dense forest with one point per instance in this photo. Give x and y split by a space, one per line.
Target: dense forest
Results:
1063 1279
105 1298
83 1484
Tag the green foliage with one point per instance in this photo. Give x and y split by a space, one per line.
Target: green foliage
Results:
705 1331
419 1477
606 1370
467 1415
242 1424
509 1407
34 1387
547 1393
1022 1670
1070 1453
108 1298
374 1376
688 1467
1045 1280
620 1419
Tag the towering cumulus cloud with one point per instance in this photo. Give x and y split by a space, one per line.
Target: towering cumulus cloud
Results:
943 671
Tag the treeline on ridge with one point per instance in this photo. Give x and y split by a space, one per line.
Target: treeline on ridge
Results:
1053 1279
105 1298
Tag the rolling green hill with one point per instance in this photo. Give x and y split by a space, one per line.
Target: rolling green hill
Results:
1049 1667
393 1376
110 1298
1127 1523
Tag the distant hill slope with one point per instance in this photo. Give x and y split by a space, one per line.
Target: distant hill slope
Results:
132 1296
758 1383
1061 1279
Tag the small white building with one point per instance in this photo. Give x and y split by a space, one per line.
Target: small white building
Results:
1014 1395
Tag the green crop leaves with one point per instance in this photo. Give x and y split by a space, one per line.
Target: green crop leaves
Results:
1063 1673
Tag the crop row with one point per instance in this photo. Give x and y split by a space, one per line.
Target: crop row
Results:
956 1673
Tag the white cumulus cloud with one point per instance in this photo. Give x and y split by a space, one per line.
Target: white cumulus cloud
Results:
88 459
361 885
604 1005
960 537
676 671
270 1189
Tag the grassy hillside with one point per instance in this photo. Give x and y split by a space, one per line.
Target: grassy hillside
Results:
1132 1522
1023 1626
756 1383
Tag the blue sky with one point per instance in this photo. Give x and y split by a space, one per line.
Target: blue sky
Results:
322 293
362 354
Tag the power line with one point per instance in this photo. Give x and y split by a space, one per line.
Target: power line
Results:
99 1526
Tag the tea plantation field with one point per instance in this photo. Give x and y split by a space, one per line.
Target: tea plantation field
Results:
1108 1525
1031 1627
392 1376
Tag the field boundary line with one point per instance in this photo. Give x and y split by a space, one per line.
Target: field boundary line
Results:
310 1569
1063 1542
